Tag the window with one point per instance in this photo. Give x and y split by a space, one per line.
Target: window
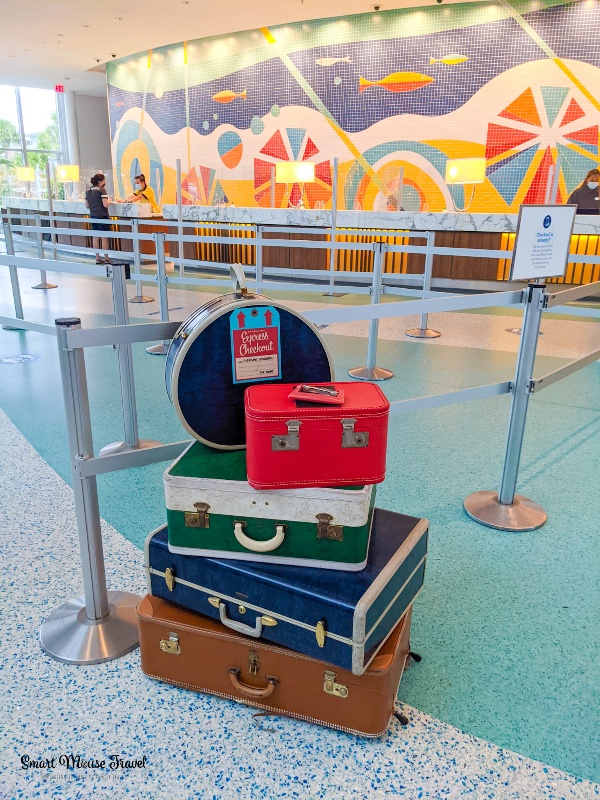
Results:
29 135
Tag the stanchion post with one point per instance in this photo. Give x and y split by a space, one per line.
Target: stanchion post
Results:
14 278
333 248
372 372
505 510
139 296
179 216
259 258
116 272
51 210
163 298
423 331
43 284
100 625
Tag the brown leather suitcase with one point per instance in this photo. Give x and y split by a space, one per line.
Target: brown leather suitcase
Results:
196 652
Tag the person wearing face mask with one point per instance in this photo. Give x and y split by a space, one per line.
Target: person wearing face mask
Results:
587 196
143 194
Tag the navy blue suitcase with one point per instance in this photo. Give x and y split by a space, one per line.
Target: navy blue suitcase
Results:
342 618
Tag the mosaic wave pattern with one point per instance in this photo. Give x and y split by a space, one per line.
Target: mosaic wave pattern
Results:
386 93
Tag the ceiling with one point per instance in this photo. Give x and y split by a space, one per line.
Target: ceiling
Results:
44 43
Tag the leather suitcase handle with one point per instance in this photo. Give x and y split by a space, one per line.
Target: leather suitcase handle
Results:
239 279
252 691
257 546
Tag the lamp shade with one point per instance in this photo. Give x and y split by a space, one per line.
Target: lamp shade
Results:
295 172
25 174
68 172
465 170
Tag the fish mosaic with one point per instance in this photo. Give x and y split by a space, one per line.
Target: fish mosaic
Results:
398 82
451 59
329 62
228 96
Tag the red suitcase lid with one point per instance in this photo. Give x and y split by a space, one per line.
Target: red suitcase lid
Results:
272 400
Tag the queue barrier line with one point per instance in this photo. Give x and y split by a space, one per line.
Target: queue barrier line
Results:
410 307
536 385
449 398
18 323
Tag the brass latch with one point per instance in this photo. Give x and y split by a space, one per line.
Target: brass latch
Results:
170 578
327 531
291 441
350 438
320 632
331 687
171 645
200 518
253 663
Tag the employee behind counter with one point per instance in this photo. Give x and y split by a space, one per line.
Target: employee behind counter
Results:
143 194
587 196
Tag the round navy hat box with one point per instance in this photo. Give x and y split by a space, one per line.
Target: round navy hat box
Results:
230 343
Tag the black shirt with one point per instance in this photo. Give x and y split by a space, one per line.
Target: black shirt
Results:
94 197
586 199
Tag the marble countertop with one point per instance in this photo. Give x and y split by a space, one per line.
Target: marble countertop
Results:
309 218
128 210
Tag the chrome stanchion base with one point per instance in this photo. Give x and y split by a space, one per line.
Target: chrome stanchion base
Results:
422 333
158 350
141 298
12 328
67 635
121 447
366 374
521 515
45 286
334 294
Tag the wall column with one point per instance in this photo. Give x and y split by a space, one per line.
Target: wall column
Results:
71 129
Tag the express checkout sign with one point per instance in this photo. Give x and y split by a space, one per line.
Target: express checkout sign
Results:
543 242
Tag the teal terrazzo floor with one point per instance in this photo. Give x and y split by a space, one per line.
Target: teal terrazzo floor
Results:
507 624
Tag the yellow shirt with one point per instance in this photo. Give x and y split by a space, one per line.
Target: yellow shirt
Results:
148 196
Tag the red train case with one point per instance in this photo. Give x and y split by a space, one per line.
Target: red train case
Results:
295 443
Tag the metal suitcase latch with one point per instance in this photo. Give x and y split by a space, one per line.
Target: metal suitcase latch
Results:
170 578
350 438
253 663
325 530
291 441
171 645
200 518
331 687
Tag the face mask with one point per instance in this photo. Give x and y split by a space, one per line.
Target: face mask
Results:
592 184
139 185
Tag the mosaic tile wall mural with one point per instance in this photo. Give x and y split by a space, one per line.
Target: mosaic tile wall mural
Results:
388 94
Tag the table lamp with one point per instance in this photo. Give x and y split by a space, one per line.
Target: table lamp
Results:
290 172
68 173
27 175
464 171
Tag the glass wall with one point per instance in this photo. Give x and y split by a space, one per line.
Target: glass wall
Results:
29 137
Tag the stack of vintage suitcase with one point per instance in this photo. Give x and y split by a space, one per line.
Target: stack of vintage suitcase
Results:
276 581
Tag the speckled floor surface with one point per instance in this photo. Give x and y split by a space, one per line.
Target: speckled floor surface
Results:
195 746
507 624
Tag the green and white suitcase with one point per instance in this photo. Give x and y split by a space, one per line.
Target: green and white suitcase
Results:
213 511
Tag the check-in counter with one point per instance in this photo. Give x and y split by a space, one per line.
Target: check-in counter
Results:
494 232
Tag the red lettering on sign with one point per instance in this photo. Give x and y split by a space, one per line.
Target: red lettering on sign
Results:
59 89
255 342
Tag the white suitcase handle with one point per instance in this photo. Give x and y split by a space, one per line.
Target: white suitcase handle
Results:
239 279
259 547
240 627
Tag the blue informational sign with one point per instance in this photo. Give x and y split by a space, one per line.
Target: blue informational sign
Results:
255 344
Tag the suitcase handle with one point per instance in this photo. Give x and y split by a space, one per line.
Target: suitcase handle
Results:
257 546
252 691
240 627
239 279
